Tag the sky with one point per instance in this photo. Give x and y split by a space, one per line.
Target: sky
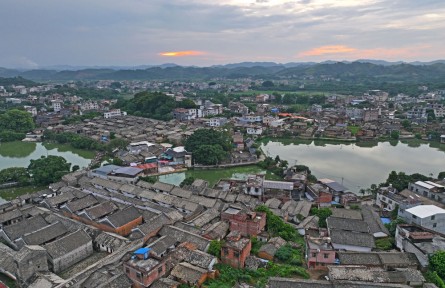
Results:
42 33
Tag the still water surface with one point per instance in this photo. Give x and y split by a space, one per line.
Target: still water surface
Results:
359 165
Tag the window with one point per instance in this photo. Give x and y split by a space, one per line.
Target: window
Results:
325 255
127 270
414 216
434 225
236 254
159 269
314 254
433 217
139 275
225 251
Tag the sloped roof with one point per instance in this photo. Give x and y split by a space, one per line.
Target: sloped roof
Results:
122 217
45 234
185 236
188 273
347 224
344 237
101 210
81 203
67 243
346 213
373 220
27 225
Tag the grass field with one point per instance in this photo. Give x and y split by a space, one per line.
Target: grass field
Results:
14 192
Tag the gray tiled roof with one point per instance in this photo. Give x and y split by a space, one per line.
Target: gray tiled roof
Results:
67 243
122 217
346 213
81 203
45 234
188 273
10 215
101 210
185 236
373 220
27 225
347 224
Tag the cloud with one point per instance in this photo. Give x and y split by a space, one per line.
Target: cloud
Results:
347 52
330 49
182 53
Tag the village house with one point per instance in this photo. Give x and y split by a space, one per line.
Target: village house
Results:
268 250
388 199
248 223
319 253
419 241
426 216
235 250
428 189
68 250
142 269
122 221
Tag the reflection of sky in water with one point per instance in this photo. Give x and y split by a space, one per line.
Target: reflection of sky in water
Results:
40 150
360 166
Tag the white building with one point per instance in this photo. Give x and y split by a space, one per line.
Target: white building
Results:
428 189
254 130
114 113
90 105
57 105
216 122
427 216
31 109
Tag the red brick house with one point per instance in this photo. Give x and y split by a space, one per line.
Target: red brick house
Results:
235 250
248 223
142 269
319 253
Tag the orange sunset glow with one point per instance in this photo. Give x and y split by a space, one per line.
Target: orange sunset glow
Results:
181 53
330 49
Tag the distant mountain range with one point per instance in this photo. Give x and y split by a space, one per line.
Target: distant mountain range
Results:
344 70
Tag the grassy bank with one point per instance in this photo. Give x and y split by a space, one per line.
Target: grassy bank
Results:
13 192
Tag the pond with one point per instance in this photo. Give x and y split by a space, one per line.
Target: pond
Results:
358 165
213 175
19 154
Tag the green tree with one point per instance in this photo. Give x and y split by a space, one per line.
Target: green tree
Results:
394 134
208 137
17 121
187 181
215 248
441 175
209 154
75 168
48 169
267 84
14 174
323 214
437 263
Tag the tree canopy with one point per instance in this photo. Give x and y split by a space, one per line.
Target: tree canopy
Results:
14 174
48 169
151 105
17 121
209 146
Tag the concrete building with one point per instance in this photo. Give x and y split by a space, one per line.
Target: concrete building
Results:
426 216
114 113
319 253
428 189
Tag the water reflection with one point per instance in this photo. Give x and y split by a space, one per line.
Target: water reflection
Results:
360 164
17 149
